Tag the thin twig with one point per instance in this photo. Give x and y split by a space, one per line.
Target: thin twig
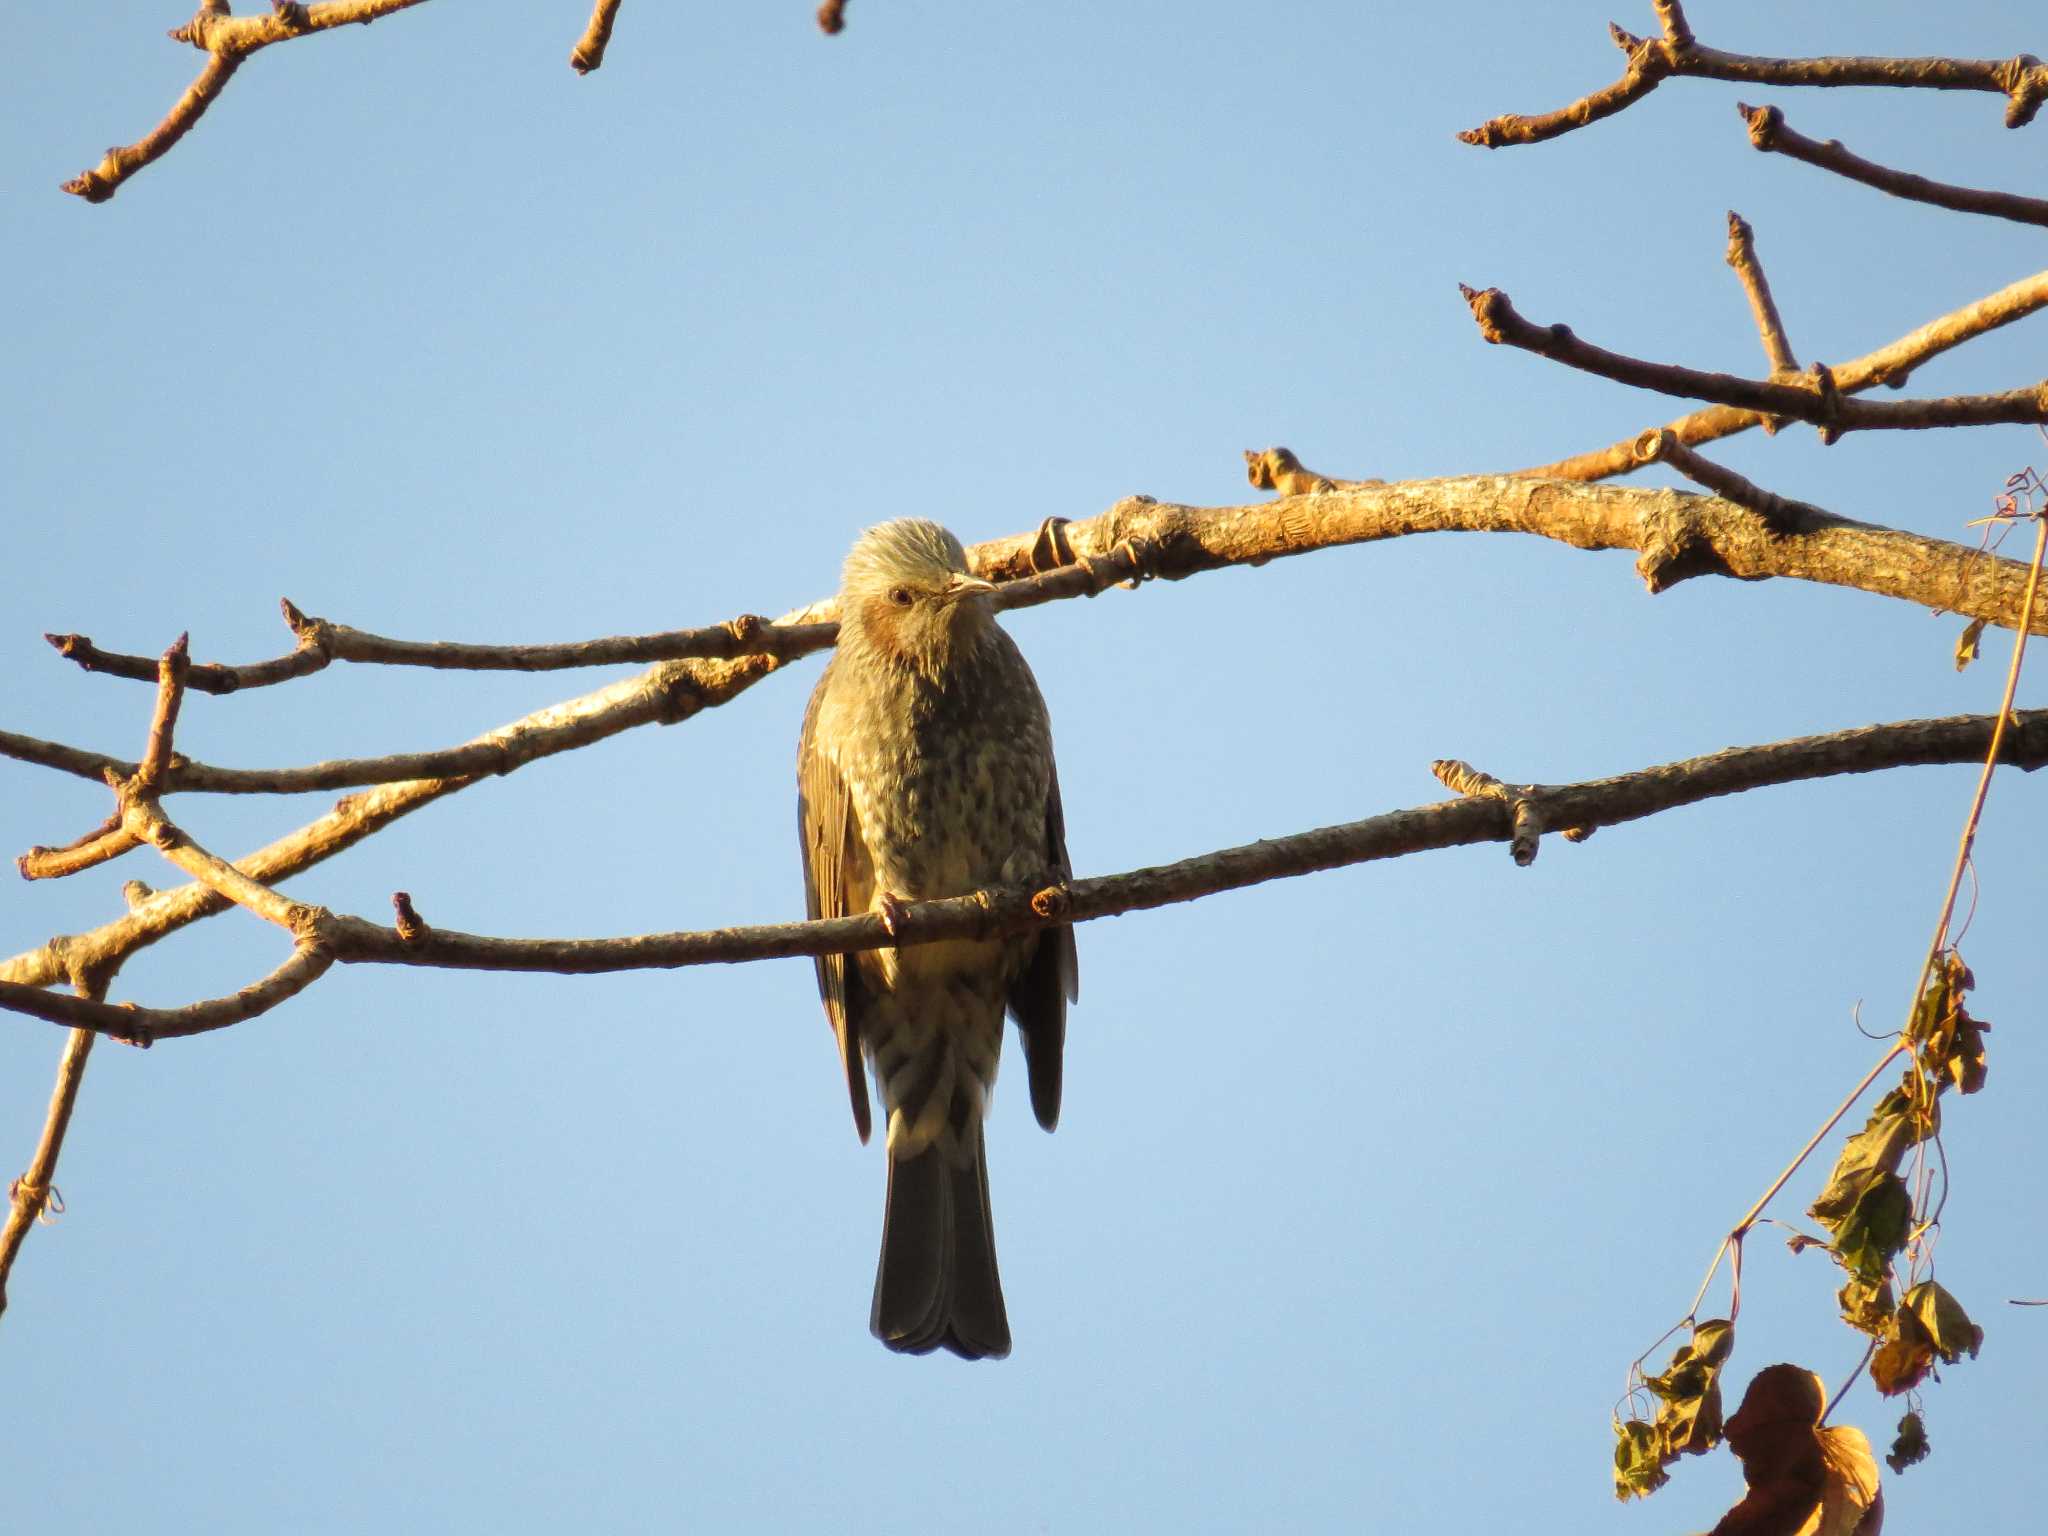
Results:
1768 132
1820 403
1889 365
116 835
105 842
145 1026
1903 1043
1748 1219
321 642
227 41
1757 288
35 1192
172 669
1991 759
666 694
1659 445
2022 80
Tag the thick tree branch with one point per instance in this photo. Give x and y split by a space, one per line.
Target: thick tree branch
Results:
226 40
2022 80
1676 534
1819 402
1888 365
1490 812
1768 132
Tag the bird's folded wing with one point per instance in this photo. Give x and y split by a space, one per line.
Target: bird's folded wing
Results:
834 859
1038 998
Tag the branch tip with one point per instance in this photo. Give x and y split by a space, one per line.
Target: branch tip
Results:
588 54
411 926
1051 902
1677 31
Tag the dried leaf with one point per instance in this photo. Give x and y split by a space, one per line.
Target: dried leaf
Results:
1852 1501
1688 1421
1966 643
1911 1447
1964 1063
1875 1229
1867 1305
1638 1460
1906 1356
1930 1325
1947 1325
1950 1042
1803 1480
1893 1127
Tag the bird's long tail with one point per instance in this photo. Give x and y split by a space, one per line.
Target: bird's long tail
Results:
937 1285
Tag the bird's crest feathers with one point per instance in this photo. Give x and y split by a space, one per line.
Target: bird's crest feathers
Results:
910 549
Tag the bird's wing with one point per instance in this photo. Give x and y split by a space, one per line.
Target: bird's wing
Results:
833 852
1039 996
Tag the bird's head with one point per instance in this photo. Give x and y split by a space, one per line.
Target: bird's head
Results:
906 597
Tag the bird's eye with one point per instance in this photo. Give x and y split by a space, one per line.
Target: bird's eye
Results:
900 596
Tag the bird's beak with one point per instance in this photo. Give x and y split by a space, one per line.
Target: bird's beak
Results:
966 586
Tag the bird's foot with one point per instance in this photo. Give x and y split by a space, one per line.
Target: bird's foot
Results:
893 912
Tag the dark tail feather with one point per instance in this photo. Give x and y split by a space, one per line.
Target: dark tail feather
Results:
937 1285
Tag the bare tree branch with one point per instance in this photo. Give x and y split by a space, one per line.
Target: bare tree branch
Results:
1888 365
115 837
1757 289
144 1026
667 694
2022 80
109 840
1768 132
588 54
34 1195
1819 402
226 40
321 643
1677 535
1489 812
1660 446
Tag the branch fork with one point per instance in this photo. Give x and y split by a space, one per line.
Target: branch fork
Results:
1528 820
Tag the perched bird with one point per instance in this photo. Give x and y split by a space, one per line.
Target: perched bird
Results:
925 770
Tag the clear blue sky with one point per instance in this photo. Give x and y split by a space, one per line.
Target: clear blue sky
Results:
1368 1186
